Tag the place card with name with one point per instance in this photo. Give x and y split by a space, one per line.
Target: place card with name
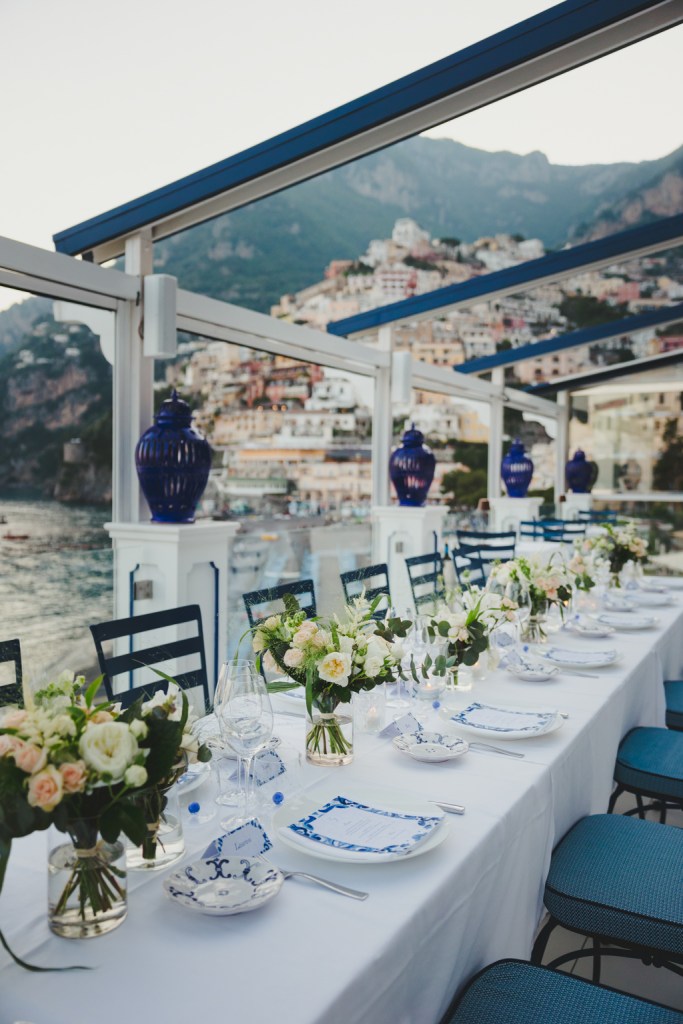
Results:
249 838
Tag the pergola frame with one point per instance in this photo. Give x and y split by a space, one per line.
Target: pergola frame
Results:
555 41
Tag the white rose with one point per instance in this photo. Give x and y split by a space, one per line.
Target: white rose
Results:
269 663
293 657
108 748
136 775
335 668
304 633
138 728
272 622
169 700
259 642
377 649
346 644
62 725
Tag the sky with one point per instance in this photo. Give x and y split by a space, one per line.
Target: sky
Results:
104 101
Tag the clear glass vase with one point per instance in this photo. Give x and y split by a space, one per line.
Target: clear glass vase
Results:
329 734
534 628
87 892
164 844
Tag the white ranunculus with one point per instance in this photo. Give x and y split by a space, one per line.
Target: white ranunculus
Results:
108 748
373 667
272 622
335 668
136 775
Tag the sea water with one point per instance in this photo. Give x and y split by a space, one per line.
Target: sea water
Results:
55 580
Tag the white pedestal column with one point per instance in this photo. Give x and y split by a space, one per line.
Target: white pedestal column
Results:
168 565
400 532
576 503
508 513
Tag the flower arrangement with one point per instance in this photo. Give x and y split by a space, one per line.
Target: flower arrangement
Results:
582 569
618 545
538 583
82 766
333 659
467 628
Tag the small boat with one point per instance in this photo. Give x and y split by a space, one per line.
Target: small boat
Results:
15 536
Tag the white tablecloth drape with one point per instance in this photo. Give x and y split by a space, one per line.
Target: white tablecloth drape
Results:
310 956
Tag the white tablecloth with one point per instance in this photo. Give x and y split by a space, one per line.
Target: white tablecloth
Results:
311 956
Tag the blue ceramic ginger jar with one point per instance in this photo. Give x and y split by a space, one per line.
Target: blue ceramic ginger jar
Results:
580 473
516 470
411 468
173 461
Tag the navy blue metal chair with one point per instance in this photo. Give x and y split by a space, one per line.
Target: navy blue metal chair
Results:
606 516
531 528
515 992
425 573
11 693
355 582
487 548
159 654
673 688
617 880
650 764
303 590
563 532
469 569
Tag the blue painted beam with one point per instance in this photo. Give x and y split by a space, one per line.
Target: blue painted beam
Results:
605 373
660 235
573 339
551 30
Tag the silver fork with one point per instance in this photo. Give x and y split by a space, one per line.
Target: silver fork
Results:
354 894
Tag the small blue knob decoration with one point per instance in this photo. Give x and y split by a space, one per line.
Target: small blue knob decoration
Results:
278 798
580 474
173 461
411 469
516 470
194 807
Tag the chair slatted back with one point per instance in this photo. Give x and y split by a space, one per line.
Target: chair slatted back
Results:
502 549
297 588
426 571
11 693
564 531
354 582
155 654
593 516
531 528
468 571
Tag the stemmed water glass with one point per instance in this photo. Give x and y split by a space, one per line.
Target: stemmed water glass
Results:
245 718
400 697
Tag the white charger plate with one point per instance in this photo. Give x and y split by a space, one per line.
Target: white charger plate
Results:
306 804
599 631
224 885
621 620
648 598
432 747
549 719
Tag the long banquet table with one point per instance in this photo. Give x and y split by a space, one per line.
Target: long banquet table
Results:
311 956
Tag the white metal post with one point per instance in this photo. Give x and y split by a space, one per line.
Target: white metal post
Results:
495 437
382 423
133 393
562 442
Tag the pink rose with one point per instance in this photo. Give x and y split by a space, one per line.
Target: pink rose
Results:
74 774
45 789
29 758
13 718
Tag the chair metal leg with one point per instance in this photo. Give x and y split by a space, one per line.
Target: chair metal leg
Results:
542 941
596 961
613 799
641 806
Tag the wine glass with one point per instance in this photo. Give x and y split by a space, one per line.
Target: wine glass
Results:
400 697
245 717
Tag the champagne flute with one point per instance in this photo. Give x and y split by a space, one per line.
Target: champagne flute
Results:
245 717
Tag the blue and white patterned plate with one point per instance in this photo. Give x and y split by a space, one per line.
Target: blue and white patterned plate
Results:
224 885
567 657
507 723
431 746
621 620
429 825
649 598
194 776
